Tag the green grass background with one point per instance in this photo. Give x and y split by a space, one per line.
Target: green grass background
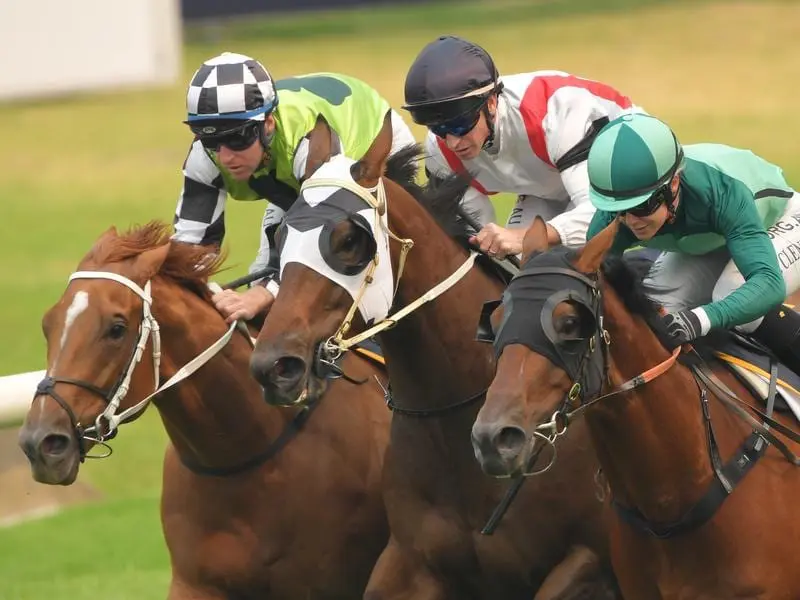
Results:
71 167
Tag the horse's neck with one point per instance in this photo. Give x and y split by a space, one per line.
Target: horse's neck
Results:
217 417
432 358
651 441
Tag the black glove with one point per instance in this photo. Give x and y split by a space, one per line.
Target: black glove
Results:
681 328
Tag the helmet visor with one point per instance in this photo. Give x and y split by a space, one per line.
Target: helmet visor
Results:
434 113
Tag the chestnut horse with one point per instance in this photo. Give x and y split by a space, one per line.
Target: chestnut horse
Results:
257 501
335 242
705 508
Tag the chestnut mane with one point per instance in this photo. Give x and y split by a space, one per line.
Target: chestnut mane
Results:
187 264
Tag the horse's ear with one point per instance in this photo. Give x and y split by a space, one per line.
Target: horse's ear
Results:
370 167
149 262
320 147
535 239
88 261
108 235
592 254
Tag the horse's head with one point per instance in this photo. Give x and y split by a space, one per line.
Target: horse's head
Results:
336 271
551 350
96 334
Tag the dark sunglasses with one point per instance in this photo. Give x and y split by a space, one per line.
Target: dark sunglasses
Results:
236 140
459 127
656 199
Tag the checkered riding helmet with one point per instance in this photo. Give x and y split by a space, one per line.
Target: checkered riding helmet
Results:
230 88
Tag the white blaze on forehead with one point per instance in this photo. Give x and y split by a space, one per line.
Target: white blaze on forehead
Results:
79 304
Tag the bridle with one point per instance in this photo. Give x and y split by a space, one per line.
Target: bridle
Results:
726 476
589 374
107 423
333 348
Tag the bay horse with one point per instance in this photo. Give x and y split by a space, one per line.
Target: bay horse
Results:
704 508
337 238
257 501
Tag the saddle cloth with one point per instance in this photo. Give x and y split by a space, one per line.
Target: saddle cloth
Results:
752 368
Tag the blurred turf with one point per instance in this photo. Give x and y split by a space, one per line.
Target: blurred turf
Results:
112 550
72 167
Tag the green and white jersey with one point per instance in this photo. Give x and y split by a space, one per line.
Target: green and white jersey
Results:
353 110
728 197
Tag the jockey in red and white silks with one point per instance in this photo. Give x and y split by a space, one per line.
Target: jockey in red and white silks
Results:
527 134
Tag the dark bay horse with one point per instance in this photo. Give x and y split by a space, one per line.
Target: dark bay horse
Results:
575 331
258 501
553 541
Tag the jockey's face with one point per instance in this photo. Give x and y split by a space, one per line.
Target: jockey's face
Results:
469 145
243 163
644 228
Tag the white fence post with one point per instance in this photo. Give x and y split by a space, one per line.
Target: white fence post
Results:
16 393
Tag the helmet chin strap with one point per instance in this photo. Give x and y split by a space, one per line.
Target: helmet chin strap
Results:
672 203
265 139
490 124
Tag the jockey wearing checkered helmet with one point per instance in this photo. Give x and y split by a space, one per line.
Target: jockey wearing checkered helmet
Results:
526 133
253 139
229 103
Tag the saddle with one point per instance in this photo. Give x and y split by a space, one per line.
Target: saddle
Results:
749 361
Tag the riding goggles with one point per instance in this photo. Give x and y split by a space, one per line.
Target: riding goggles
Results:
459 127
240 138
648 207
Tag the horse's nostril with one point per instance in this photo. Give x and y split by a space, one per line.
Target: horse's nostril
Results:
510 440
55 444
288 369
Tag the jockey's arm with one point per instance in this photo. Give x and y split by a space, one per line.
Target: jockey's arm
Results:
751 249
572 225
267 255
258 298
200 214
569 128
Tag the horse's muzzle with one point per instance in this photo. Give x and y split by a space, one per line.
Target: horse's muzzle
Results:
53 454
280 373
499 448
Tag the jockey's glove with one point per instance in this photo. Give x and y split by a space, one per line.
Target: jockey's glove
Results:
681 328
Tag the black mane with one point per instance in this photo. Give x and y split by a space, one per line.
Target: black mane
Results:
626 277
441 197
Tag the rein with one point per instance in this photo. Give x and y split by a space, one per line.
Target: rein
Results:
726 476
333 348
100 434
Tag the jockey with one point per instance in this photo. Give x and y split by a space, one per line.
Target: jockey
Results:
527 133
252 141
728 221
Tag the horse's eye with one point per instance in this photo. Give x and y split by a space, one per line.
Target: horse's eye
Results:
570 326
117 331
349 243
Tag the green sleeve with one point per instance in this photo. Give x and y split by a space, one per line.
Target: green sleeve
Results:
737 219
624 238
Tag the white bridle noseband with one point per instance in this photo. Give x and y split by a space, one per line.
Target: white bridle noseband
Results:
107 423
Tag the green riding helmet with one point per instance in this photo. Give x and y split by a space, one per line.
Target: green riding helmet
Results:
633 157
